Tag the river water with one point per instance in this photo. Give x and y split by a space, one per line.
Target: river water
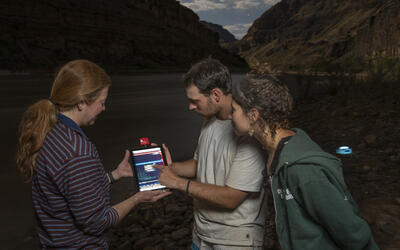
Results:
150 105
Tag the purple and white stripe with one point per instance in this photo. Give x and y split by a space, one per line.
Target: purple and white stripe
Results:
70 192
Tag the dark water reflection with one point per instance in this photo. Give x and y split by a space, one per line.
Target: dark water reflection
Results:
153 106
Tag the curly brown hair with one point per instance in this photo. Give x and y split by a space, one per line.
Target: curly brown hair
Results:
269 96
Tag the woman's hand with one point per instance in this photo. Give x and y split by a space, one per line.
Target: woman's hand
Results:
151 196
124 168
125 206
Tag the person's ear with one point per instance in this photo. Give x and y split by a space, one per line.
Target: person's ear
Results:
216 94
254 115
79 106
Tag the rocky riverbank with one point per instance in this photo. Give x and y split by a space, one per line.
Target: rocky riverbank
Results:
366 119
166 224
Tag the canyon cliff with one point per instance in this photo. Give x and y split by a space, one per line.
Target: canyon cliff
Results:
224 35
143 34
303 34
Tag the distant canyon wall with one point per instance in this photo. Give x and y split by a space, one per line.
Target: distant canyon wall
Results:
297 34
224 35
119 33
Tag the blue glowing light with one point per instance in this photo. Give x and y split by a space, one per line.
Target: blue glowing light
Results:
344 150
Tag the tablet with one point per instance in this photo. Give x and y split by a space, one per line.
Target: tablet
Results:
143 160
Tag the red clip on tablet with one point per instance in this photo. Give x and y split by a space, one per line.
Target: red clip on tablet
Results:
144 141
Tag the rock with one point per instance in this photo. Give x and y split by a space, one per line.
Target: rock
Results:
356 130
127 245
141 235
135 228
148 241
184 241
384 217
157 223
370 140
180 233
362 146
224 35
158 247
366 168
170 245
388 150
175 220
175 209
167 229
148 216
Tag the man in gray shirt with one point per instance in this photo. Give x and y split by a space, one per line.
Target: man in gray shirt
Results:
229 205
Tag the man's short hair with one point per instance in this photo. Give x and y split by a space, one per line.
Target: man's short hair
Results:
209 74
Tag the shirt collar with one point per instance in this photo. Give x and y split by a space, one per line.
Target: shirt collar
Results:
70 123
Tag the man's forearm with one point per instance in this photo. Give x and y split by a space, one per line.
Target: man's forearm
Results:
185 169
222 196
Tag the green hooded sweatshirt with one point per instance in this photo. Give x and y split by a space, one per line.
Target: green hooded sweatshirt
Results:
314 209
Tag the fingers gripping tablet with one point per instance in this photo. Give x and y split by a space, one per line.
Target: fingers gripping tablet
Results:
143 160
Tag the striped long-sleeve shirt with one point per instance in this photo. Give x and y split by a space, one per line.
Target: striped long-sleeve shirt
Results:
70 191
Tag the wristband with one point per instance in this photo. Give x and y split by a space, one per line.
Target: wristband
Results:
112 180
187 187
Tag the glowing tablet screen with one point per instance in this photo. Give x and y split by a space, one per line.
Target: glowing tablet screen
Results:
143 161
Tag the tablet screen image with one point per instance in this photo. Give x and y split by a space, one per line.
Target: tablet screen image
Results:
143 162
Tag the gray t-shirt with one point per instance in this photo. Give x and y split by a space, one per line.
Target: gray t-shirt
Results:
225 159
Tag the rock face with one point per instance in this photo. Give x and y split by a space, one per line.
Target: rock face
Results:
129 33
295 34
224 35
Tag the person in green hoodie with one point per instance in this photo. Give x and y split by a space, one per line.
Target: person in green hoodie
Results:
314 209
